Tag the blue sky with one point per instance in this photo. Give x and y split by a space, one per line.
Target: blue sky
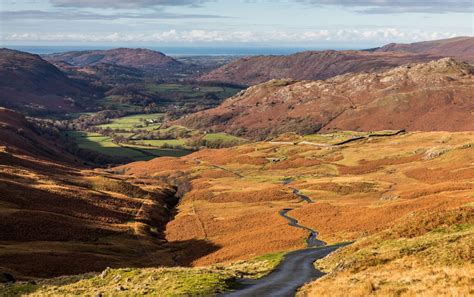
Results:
318 23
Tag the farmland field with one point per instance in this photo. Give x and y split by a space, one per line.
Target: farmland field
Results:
135 122
105 145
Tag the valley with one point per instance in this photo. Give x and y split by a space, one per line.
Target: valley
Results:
128 172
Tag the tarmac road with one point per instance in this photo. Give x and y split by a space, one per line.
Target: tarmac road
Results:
294 271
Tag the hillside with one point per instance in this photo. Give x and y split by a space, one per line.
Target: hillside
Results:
19 136
143 59
400 197
53 211
311 65
29 83
428 97
461 48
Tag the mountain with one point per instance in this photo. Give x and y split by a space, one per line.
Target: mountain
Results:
31 84
429 96
461 48
310 65
143 59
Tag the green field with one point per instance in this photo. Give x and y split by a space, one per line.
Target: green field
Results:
222 136
159 143
105 146
142 137
135 122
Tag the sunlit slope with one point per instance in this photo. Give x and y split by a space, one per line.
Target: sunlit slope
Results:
359 188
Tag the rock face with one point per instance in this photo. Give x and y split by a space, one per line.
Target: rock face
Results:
143 59
461 48
314 65
429 96
29 83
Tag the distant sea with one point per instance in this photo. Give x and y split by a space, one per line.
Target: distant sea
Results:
177 51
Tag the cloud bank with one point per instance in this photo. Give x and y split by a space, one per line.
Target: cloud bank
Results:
216 36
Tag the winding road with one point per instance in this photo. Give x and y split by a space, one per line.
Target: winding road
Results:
296 268
294 271
312 240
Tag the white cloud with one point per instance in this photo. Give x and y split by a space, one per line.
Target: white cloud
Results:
215 36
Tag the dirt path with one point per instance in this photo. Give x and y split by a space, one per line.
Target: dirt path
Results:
293 272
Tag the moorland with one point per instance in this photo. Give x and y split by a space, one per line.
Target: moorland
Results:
129 172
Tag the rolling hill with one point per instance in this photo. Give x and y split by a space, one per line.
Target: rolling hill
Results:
461 48
309 65
314 65
31 84
143 59
429 97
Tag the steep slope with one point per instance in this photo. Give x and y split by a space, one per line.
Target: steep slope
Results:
57 219
143 59
309 65
461 48
19 136
31 84
431 96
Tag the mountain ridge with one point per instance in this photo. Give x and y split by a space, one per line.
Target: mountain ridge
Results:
31 84
412 97
312 65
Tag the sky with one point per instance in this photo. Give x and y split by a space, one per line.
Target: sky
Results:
226 23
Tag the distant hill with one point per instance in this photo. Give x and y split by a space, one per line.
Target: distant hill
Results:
461 48
143 59
31 84
312 65
429 96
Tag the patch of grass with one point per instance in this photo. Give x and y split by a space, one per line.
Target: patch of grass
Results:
105 146
135 122
222 136
162 142
151 281
22 289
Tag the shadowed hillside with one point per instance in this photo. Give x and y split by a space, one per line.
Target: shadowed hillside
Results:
60 219
31 84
